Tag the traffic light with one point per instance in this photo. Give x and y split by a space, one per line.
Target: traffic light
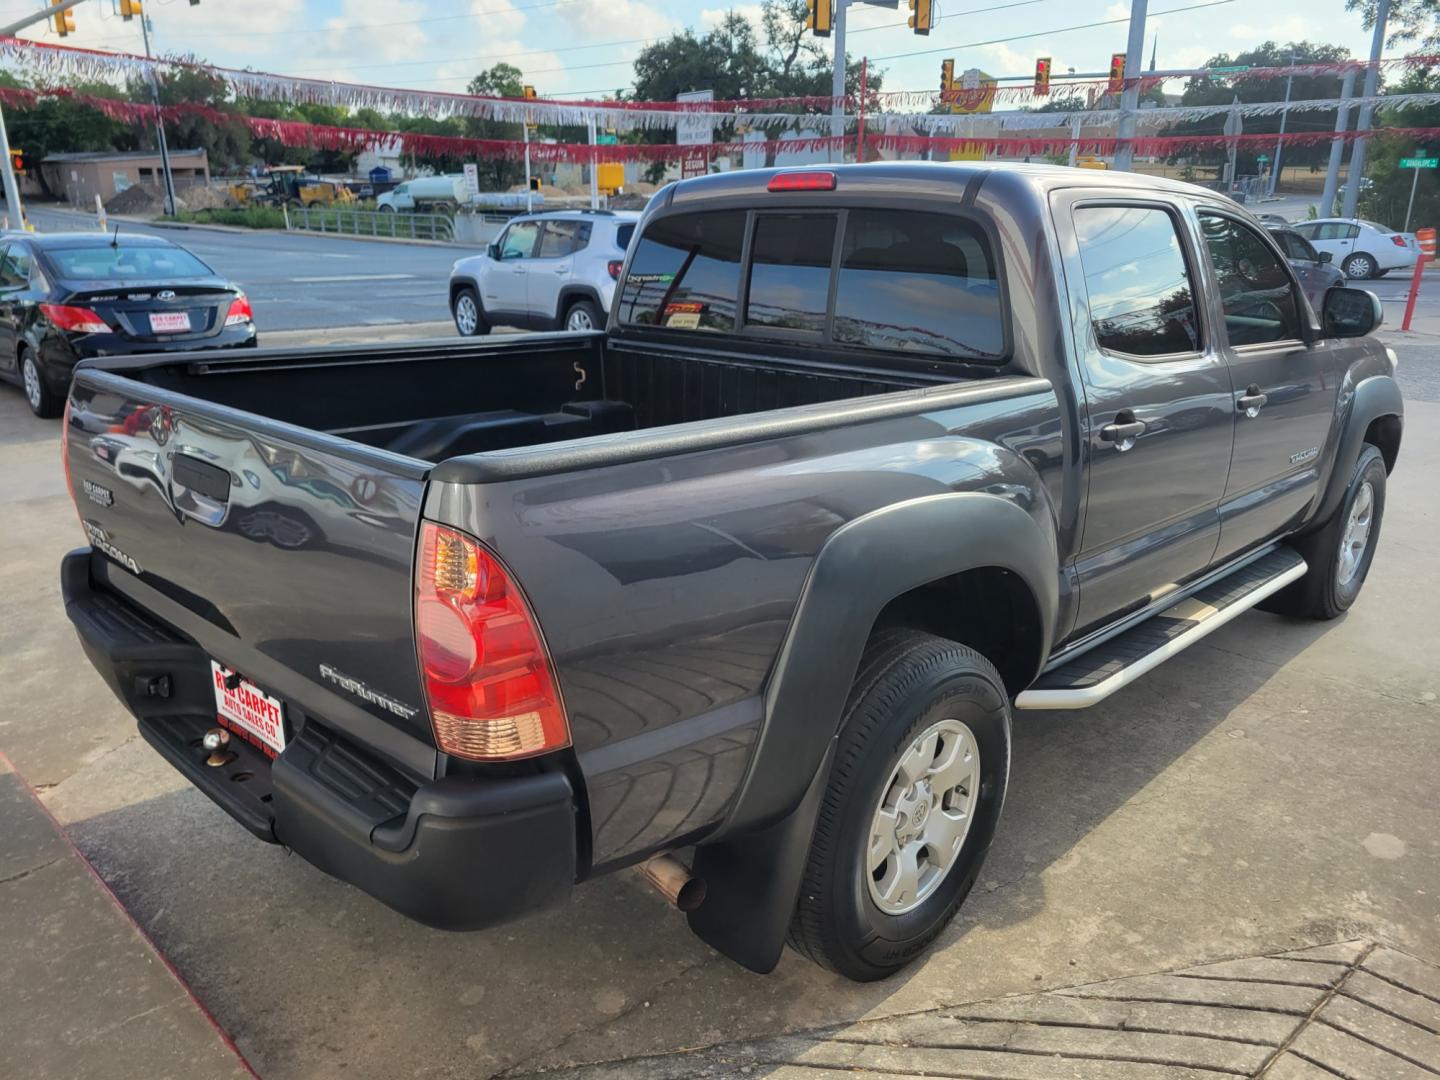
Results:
530 95
129 9
947 74
820 17
20 161
64 20
922 16
1117 73
1042 76
534 183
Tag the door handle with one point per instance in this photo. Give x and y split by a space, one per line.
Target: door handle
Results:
1251 402
1123 432
518 270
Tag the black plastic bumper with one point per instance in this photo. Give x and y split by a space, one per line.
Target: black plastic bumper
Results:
455 853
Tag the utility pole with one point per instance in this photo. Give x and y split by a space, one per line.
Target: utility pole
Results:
1337 145
594 169
159 122
1280 142
1372 84
15 210
837 83
1130 98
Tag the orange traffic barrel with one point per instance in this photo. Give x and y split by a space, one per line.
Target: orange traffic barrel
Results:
1426 239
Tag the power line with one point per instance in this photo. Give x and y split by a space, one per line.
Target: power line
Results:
947 15
380 26
1046 33
488 56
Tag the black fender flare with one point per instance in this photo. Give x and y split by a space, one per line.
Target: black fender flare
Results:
569 294
457 283
754 862
1374 397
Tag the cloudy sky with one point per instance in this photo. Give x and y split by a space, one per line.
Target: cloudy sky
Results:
582 47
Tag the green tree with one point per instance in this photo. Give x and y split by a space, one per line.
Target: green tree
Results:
1203 90
1388 195
502 80
1409 21
60 125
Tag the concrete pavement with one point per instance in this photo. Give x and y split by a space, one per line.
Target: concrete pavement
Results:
1269 790
86 994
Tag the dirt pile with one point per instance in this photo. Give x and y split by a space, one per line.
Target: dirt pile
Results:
202 197
136 201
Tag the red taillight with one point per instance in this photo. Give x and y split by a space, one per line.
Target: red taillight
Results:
488 678
81 320
613 266
239 311
1398 240
802 181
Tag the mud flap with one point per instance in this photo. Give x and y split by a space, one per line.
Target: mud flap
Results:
752 880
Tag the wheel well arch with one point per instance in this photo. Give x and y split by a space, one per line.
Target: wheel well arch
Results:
1384 433
989 608
459 284
572 294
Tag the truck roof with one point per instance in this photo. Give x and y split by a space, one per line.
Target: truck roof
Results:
912 177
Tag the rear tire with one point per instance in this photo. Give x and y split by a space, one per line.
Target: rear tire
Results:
43 402
583 315
919 703
469 315
1340 552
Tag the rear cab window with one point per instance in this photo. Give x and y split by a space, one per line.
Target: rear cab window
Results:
918 282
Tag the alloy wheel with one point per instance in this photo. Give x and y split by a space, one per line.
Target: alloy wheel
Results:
1356 536
31 376
467 319
579 319
923 817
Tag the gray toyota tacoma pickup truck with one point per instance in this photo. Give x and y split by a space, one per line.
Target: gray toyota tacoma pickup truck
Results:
868 459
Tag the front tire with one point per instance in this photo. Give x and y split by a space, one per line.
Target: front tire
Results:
1340 552
914 794
469 315
43 402
1359 267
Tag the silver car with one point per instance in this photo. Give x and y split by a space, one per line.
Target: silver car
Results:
1313 268
548 271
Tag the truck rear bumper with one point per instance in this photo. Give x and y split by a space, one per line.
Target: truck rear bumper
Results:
455 853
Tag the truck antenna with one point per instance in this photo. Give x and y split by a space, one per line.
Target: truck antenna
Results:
115 236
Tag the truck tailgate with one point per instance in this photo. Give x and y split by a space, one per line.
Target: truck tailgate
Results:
285 554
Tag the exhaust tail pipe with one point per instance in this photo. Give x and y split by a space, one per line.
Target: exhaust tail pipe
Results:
673 880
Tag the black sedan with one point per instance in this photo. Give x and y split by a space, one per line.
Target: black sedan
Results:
68 296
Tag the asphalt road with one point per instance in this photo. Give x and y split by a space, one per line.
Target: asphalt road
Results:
1271 788
299 281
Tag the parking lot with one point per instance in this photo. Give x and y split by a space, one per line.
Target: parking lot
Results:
1271 789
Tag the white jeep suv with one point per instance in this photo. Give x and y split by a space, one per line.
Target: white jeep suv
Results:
549 271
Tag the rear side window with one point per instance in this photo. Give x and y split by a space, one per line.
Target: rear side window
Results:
561 238
685 273
1142 302
790 271
918 282
623 235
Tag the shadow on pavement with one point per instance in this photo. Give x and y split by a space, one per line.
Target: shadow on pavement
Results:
314 979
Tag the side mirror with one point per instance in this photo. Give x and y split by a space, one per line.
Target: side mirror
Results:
1326 256
494 250
1351 312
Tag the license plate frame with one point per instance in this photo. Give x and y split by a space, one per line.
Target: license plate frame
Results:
169 322
248 709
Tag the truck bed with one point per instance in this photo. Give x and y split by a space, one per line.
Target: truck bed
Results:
434 401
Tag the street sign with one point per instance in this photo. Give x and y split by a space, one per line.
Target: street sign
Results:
1262 158
1420 163
472 178
697 131
1230 69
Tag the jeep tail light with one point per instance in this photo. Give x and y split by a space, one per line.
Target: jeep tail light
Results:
79 320
613 266
488 678
1398 239
240 312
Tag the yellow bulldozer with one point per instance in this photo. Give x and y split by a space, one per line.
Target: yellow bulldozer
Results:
291 185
